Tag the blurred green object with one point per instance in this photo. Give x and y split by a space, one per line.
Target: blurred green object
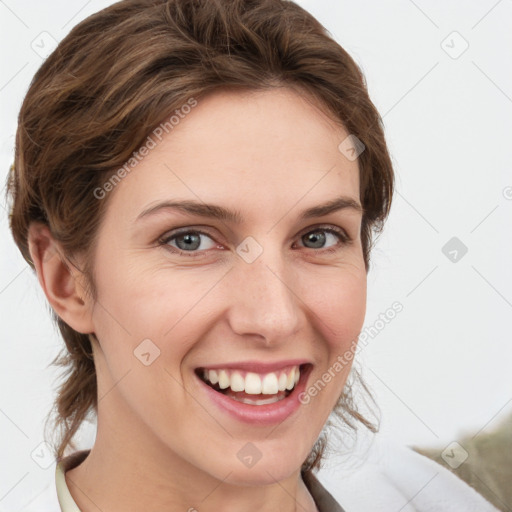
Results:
488 467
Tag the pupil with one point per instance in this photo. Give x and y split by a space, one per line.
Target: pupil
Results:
317 237
189 240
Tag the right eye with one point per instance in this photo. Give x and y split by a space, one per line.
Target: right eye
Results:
186 242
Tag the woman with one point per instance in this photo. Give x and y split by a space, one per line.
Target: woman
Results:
197 184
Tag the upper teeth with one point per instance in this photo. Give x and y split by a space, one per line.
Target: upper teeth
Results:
254 383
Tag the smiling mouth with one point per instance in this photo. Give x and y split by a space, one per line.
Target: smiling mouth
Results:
250 387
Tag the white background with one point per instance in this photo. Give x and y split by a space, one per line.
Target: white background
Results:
442 366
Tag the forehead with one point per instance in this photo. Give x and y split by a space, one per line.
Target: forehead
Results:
252 149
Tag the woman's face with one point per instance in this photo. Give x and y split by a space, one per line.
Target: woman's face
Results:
245 291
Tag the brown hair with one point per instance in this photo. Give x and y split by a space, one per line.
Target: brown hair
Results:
113 79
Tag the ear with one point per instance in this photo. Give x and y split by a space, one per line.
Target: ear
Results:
62 283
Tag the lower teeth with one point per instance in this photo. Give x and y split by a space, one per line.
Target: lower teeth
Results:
263 401
246 399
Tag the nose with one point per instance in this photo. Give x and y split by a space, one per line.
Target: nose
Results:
264 301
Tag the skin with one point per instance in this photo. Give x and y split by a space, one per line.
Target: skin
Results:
161 443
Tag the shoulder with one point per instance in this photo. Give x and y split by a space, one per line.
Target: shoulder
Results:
485 461
45 501
55 496
383 476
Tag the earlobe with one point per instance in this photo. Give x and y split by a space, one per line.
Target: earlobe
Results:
60 281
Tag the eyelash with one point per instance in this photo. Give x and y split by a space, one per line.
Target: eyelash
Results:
344 239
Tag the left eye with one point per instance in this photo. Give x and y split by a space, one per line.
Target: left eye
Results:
319 236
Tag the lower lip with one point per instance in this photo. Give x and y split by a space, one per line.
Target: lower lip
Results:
269 414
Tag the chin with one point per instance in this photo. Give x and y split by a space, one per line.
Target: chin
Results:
274 465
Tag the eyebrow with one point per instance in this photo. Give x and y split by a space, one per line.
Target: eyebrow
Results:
235 217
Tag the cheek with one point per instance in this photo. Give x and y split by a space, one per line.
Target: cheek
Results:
339 304
163 305
338 300
141 320
167 304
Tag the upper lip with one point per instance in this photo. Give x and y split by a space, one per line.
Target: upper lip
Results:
256 366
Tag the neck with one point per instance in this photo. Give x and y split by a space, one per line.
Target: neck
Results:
129 470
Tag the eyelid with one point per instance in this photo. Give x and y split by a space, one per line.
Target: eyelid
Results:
327 227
